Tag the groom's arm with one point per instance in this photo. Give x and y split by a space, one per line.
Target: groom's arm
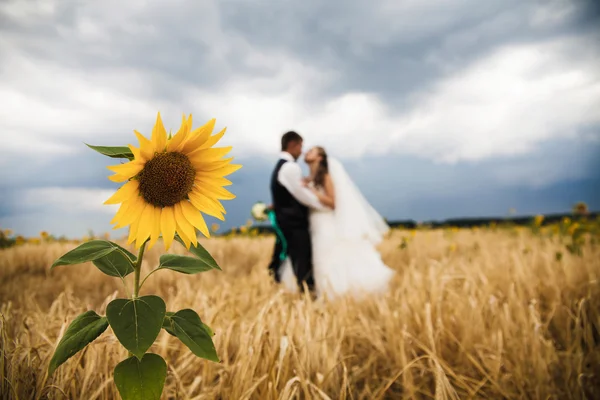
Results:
290 176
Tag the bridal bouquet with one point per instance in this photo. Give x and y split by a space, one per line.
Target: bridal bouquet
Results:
167 182
259 211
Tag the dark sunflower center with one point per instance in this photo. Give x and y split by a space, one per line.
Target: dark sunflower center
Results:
166 179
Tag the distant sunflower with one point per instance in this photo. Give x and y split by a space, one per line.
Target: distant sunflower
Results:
170 181
580 208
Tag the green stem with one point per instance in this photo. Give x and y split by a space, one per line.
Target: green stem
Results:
147 276
137 269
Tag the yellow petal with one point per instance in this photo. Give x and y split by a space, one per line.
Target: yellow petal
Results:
132 233
216 203
216 181
136 153
222 171
134 211
118 178
197 190
208 155
133 230
120 213
210 165
217 192
159 135
177 140
129 169
183 237
125 192
208 186
207 206
202 130
213 139
167 226
183 224
194 217
198 137
145 225
145 146
155 230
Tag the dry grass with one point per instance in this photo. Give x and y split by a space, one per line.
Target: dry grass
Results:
498 317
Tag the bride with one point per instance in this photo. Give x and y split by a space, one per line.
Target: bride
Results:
343 237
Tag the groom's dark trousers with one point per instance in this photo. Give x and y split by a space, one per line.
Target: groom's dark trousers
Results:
300 252
292 218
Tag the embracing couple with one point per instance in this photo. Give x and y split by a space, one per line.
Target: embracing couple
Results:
329 229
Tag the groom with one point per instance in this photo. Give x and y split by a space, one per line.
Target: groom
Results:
291 202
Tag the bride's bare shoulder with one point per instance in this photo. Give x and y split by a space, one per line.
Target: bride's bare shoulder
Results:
328 184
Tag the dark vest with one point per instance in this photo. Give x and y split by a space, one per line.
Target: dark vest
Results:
290 213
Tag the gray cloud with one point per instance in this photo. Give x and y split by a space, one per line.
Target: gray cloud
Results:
387 48
319 67
349 75
370 47
399 187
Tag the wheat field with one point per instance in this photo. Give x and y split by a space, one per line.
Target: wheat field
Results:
484 313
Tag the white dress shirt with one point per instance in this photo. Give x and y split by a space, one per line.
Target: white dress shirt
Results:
290 177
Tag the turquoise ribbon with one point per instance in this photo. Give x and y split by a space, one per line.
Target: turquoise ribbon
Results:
278 234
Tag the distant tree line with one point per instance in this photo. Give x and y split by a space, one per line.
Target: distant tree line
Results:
462 222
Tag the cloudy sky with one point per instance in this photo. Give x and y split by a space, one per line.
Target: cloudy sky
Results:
438 109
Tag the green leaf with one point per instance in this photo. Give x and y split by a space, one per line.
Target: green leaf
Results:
89 251
131 256
83 330
201 253
208 330
141 379
188 328
579 233
168 325
136 322
118 263
113 151
183 264
558 256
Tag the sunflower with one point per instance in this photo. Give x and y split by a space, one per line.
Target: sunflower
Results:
169 182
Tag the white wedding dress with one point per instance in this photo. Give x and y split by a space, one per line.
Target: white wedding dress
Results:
345 259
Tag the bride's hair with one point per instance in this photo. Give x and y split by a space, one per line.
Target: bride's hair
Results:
322 168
